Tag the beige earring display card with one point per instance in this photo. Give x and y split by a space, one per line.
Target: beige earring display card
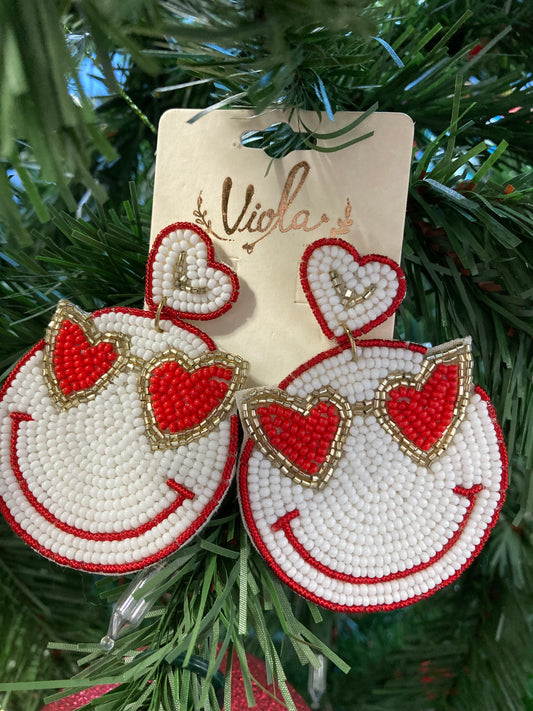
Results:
261 214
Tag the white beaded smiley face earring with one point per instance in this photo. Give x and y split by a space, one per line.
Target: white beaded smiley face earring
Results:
374 474
118 433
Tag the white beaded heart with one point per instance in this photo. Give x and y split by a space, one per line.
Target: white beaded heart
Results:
183 276
347 291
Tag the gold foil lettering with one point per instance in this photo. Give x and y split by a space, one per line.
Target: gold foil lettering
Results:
263 221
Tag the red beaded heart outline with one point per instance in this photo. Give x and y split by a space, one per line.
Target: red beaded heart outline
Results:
422 413
163 251
75 347
342 305
183 398
294 420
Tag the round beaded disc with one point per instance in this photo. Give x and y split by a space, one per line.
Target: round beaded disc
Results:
84 483
117 438
385 530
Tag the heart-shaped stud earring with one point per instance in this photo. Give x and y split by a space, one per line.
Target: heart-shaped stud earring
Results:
183 277
346 290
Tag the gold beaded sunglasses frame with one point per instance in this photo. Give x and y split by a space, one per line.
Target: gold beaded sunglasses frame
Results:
261 408
79 361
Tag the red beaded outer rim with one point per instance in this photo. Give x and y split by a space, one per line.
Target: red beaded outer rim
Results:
362 261
263 550
200 521
166 310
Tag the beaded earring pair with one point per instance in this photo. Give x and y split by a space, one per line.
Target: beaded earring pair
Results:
370 478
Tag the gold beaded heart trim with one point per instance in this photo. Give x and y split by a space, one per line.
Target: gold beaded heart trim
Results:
422 412
183 399
78 359
304 437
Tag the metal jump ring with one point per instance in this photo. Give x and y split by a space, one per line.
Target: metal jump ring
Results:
158 315
353 344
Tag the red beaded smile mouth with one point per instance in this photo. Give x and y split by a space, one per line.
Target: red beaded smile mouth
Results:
182 494
284 523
